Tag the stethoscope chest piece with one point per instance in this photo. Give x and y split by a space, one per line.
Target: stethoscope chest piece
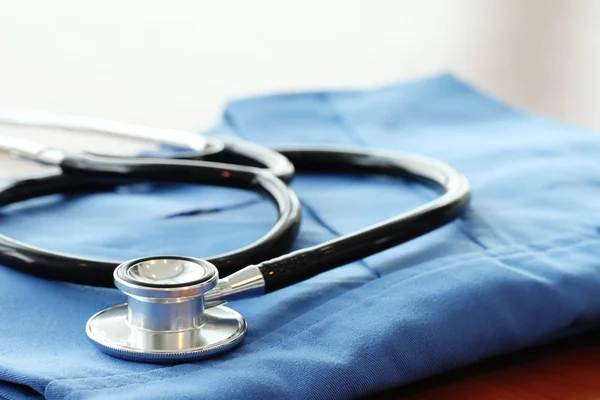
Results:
164 319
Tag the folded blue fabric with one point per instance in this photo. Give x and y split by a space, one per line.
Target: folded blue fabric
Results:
521 268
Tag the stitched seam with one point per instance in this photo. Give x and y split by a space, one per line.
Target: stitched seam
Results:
24 386
341 119
309 209
354 135
231 120
462 226
327 316
28 390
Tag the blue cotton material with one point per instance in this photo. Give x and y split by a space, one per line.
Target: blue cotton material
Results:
522 267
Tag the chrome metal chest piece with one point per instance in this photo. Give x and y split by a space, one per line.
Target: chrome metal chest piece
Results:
164 319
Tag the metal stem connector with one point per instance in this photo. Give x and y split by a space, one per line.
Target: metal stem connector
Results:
247 282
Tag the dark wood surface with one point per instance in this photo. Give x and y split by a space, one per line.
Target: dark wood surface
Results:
569 369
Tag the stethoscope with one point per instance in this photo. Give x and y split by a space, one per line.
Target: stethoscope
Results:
175 304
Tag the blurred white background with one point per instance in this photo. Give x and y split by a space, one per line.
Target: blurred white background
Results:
175 63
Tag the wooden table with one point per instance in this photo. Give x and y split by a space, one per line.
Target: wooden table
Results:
569 369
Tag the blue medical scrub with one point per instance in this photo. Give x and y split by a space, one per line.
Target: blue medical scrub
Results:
522 267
